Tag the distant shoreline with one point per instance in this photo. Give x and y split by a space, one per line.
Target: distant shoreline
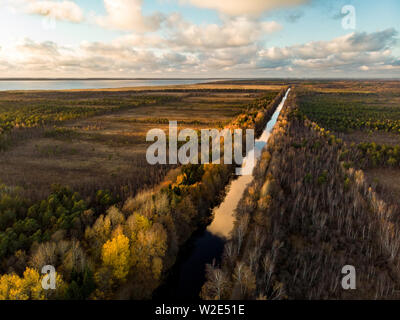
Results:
124 84
34 84
200 79
114 79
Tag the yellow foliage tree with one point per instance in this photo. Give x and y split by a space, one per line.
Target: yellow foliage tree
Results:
115 254
29 287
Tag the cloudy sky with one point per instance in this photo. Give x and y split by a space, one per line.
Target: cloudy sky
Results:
199 38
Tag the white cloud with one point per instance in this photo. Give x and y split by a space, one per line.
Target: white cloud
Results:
244 7
352 52
233 32
184 36
356 54
89 58
126 15
228 59
47 48
347 47
149 40
64 10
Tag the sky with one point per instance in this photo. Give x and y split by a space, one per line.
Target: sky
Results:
200 38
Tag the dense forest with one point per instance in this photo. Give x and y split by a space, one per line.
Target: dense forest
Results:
346 112
309 212
105 247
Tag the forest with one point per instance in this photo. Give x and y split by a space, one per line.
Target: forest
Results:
106 245
344 112
324 195
311 210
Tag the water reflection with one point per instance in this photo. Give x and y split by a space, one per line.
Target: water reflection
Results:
188 275
222 224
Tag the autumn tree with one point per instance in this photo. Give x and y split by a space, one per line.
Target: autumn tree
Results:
115 254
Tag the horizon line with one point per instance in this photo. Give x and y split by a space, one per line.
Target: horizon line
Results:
190 78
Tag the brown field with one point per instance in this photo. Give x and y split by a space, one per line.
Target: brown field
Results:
107 150
387 181
267 85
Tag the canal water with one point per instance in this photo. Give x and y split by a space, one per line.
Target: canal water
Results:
206 246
